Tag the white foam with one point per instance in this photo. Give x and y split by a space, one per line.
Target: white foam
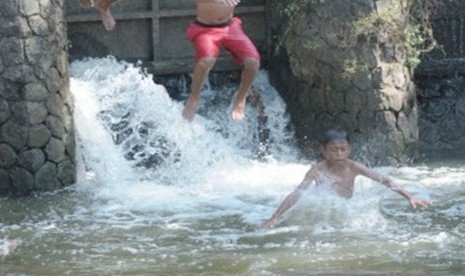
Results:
208 164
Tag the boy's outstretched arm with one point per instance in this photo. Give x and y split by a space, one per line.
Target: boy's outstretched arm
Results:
386 181
290 200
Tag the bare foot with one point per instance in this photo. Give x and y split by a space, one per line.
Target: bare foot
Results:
107 19
190 109
86 3
238 112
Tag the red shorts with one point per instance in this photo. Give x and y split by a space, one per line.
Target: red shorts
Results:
208 41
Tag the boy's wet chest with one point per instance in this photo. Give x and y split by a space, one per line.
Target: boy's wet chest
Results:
342 181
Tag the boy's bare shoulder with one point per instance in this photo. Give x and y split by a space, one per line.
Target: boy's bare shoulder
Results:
314 169
355 165
320 166
351 162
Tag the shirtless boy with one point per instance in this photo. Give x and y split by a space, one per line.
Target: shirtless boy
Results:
103 6
216 27
339 173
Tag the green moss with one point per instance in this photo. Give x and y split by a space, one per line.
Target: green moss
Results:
349 68
292 12
312 42
403 22
68 45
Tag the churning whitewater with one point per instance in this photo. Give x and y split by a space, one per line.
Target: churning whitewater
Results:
133 142
135 148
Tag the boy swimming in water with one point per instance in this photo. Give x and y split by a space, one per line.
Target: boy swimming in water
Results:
339 173
216 27
103 6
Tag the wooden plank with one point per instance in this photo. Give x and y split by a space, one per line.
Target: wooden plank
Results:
185 13
268 41
442 67
187 66
157 25
150 14
156 29
119 16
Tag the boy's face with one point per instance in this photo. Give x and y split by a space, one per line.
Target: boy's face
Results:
336 150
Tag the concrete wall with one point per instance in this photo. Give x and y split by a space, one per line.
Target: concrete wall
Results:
36 129
441 85
442 114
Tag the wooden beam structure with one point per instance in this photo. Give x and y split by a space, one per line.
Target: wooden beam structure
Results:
153 32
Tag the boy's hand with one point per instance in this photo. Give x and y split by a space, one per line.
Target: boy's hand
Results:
271 223
414 202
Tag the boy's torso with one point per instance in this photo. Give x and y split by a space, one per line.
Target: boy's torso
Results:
213 13
340 178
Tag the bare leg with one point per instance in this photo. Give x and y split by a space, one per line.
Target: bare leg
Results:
251 66
201 70
103 7
86 3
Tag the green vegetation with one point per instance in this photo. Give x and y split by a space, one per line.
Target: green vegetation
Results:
292 13
403 22
349 68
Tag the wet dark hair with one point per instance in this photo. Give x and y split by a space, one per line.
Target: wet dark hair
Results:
332 135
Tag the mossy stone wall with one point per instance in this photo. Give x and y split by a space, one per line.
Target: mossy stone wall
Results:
333 77
37 148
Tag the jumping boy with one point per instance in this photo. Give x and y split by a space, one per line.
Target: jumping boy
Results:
103 6
339 173
216 27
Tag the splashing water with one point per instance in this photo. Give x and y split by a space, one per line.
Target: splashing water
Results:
6 247
131 131
157 195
